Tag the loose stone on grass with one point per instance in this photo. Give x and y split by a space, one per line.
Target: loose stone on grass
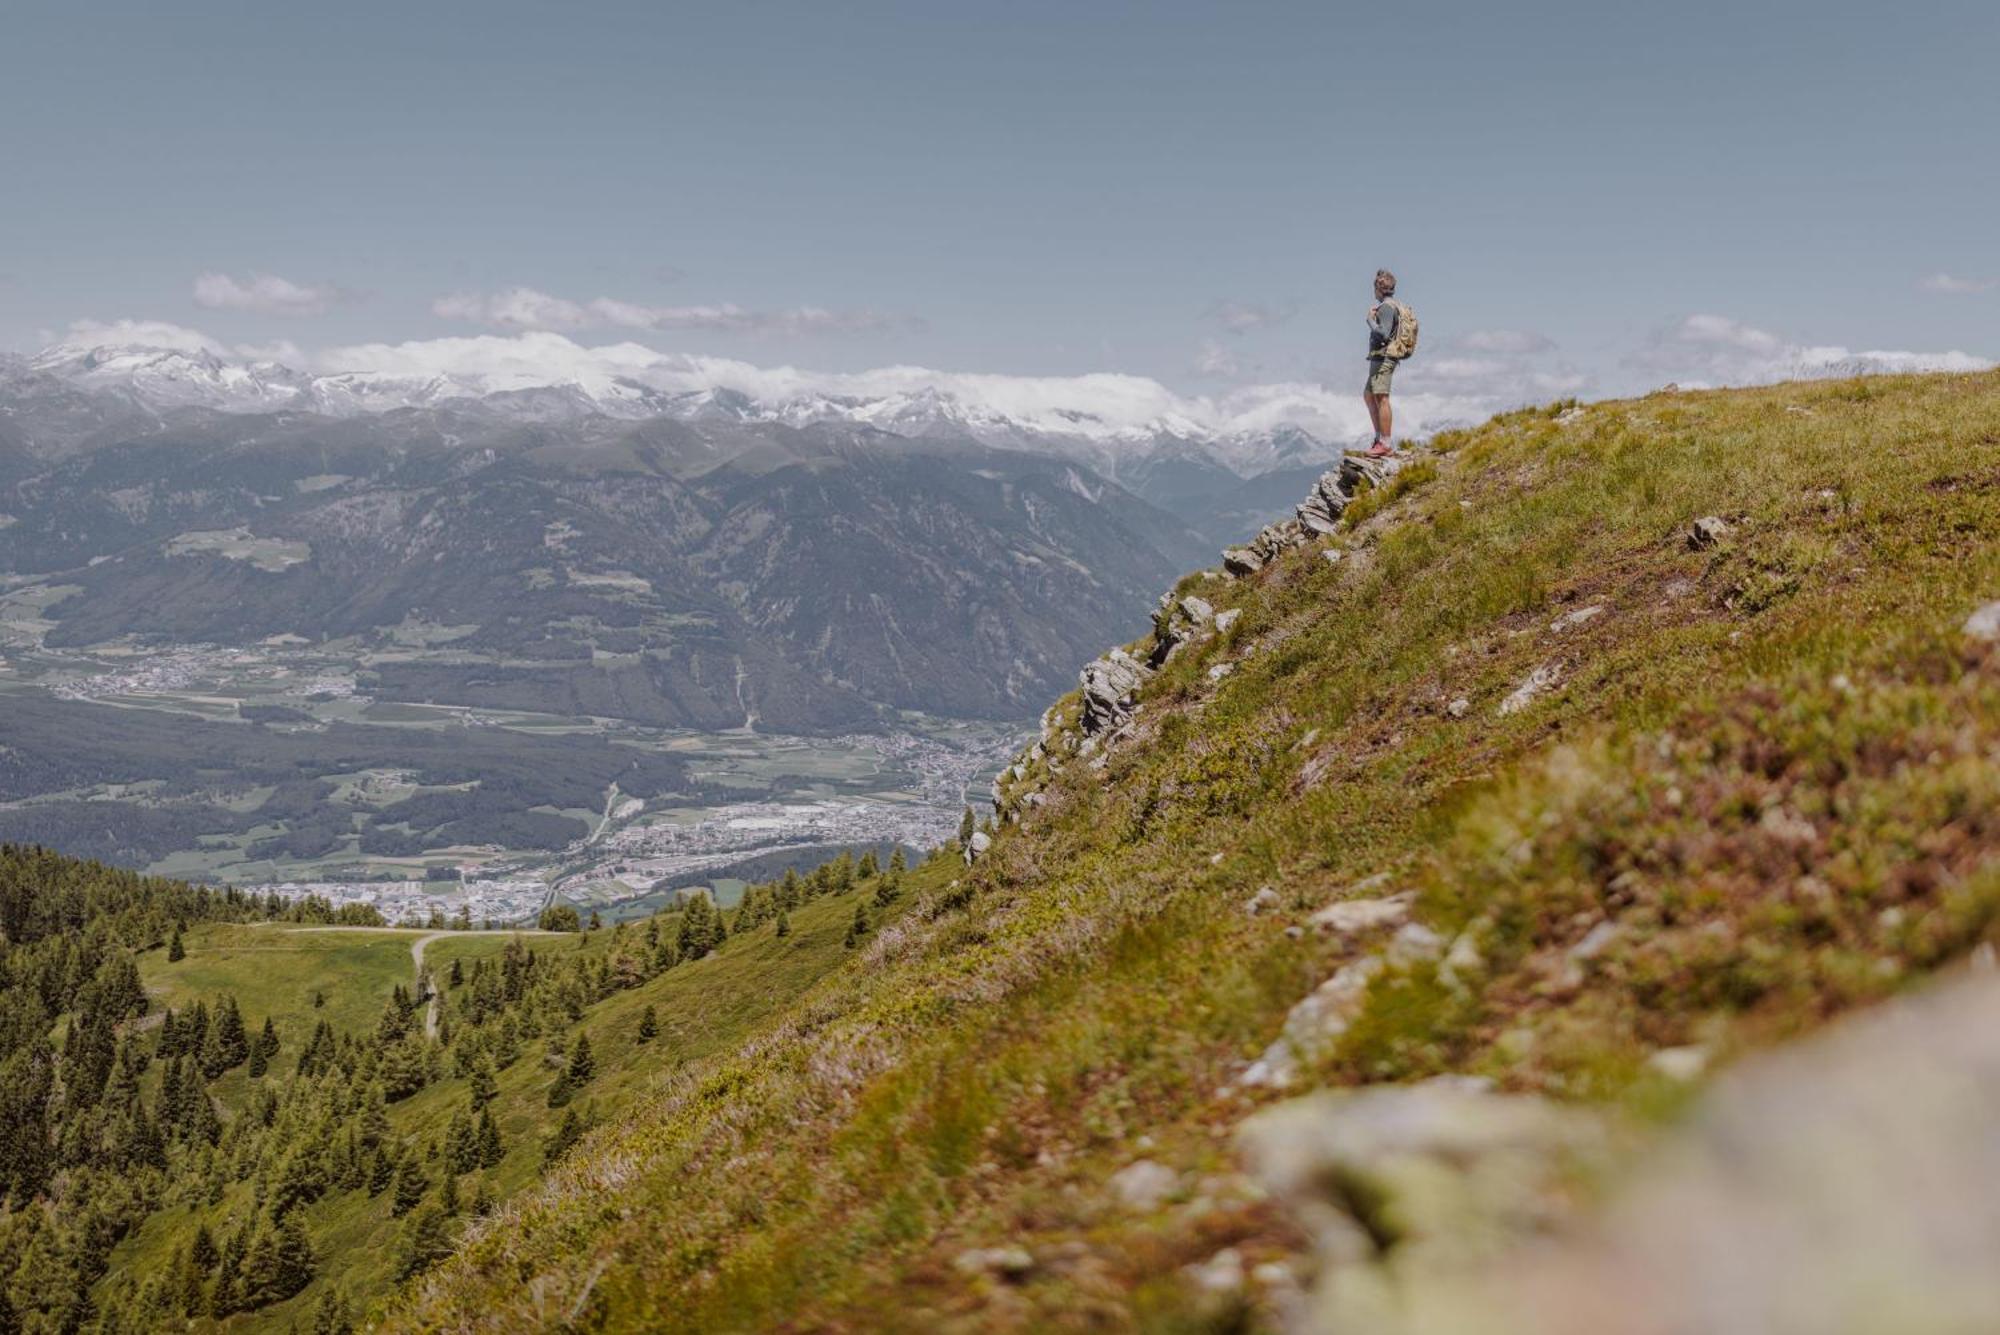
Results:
1707 532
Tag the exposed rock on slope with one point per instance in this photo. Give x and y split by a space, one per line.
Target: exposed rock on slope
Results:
1109 684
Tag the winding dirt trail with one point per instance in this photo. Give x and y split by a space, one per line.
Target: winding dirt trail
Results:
426 935
417 962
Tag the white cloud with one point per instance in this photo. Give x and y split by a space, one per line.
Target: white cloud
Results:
1946 283
1507 342
1241 317
515 308
262 294
142 334
1705 350
84 335
1103 407
525 308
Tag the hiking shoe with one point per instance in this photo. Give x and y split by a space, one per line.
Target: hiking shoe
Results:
1381 449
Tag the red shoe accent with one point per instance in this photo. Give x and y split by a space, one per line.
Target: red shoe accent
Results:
1380 450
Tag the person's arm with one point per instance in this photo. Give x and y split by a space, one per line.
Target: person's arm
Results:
1384 323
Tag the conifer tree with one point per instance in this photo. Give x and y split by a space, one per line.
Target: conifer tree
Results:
354 1163
857 928
887 888
582 1065
699 922
294 1259
484 1087
176 952
411 1184
202 1252
897 862
490 1149
263 1049
188 1296
966 826
231 1045
381 1172
869 867
649 1025
403 1070
784 925
461 1144
374 1118
457 976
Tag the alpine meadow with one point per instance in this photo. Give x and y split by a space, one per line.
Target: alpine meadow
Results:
1031 669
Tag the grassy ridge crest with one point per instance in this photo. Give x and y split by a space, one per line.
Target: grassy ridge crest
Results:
1666 794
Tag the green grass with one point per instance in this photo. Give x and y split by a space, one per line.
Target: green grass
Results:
1769 763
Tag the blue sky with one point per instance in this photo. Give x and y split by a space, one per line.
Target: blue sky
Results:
1194 193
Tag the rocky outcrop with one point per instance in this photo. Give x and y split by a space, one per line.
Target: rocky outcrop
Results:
1840 1187
1110 685
1319 514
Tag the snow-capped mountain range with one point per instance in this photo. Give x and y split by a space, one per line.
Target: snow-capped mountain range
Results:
1113 423
1124 426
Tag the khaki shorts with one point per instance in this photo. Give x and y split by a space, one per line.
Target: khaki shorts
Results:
1379 371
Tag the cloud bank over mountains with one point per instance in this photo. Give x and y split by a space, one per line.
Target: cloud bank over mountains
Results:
1460 378
1704 351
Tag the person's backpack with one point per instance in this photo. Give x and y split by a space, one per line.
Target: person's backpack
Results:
1404 343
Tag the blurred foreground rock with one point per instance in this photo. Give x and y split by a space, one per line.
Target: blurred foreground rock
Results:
1846 1186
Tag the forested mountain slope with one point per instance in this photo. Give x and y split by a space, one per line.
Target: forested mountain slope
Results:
1588 752
220 1111
677 573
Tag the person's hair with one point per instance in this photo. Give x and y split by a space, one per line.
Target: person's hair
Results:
1386 280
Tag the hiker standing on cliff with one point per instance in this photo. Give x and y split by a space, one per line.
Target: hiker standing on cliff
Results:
1392 336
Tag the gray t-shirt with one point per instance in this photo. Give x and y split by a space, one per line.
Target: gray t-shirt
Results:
1382 328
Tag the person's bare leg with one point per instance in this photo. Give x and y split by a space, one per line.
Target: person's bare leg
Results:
1374 403
1385 418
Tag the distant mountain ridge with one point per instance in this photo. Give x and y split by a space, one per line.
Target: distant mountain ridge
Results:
695 570
157 379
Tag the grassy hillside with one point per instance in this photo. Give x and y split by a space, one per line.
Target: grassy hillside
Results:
1752 785
302 975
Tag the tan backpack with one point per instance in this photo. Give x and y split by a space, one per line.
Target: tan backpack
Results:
1404 344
